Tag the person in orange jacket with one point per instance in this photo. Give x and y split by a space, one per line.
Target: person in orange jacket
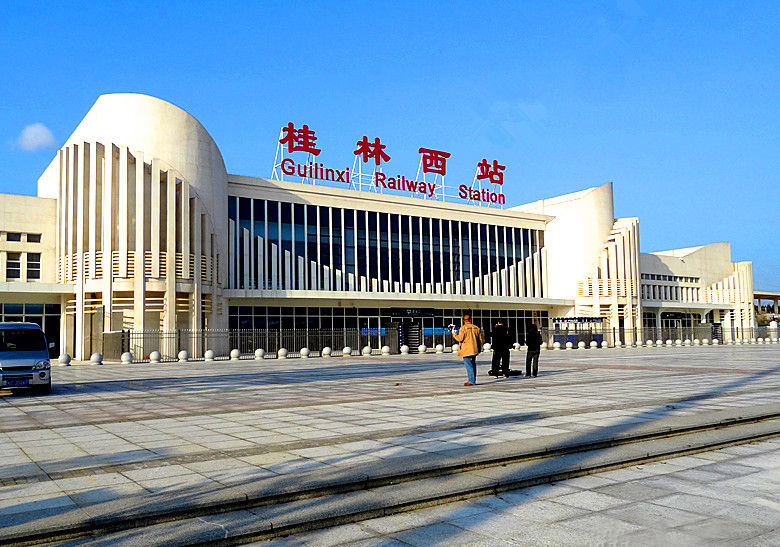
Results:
469 338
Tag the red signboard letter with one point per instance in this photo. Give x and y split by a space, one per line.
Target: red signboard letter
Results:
299 140
492 172
434 161
371 150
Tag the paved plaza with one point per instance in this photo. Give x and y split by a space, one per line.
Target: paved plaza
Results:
722 497
113 432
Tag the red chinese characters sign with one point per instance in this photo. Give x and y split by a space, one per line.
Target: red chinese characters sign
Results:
432 161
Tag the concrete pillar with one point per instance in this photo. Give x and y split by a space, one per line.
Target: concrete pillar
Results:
139 282
169 317
122 226
107 219
80 178
154 228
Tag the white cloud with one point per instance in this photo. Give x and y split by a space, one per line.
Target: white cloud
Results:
36 136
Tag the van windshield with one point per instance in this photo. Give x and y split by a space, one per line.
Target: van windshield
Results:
21 340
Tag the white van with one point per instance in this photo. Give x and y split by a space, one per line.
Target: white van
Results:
24 358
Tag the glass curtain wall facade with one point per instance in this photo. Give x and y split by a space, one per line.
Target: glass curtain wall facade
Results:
287 246
433 322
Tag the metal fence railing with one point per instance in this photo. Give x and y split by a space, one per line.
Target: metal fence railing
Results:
640 336
141 343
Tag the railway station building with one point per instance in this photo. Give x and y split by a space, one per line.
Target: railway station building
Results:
137 225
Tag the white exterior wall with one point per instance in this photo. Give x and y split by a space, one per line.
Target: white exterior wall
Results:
575 237
718 285
126 183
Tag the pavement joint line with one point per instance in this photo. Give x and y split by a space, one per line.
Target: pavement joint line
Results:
208 455
115 523
368 398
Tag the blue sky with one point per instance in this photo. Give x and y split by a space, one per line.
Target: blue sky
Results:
677 103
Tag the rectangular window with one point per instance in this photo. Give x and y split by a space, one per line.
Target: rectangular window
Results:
299 248
273 245
311 244
336 226
325 246
416 250
384 249
395 250
373 250
349 243
13 236
362 241
244 225
259 220
406 272
426 249
33 238
33 265
287 268
13 266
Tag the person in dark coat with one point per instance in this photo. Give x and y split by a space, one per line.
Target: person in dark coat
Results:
500 342
534 342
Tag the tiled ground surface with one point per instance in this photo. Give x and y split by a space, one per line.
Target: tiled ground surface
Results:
724 497
115 430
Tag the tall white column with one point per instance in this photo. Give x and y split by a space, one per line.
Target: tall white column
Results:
139 282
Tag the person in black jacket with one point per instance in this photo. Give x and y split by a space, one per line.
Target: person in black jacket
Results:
534 341
500 342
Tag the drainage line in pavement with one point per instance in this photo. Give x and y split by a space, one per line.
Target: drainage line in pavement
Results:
89 529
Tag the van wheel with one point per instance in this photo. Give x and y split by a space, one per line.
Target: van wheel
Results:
42 390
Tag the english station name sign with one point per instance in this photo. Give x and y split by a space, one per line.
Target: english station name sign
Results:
304 139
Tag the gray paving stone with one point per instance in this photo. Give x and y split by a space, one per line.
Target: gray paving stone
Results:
649 515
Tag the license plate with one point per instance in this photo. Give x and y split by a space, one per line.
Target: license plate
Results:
17 383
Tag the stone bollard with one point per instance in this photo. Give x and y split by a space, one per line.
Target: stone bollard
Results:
326 351
64 360
669 343
487 346
678 343
569 345
752 341
346 351
366 351
737 341
155 357
259 353
659 343
184 356
126 358
593 344
96 359
208 355
705 341
715 341
696 342
687 342
556 345
759 340
385 351
649 344
305 353
235 355
422 348
618 344
580 345
281 353
604 344
439 348
455 348
404 350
